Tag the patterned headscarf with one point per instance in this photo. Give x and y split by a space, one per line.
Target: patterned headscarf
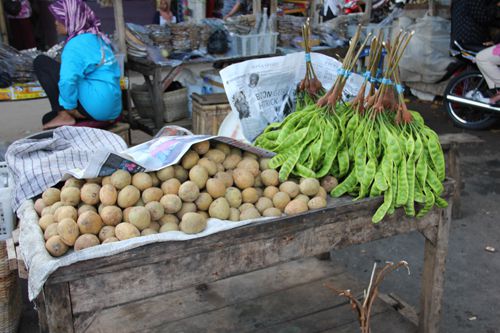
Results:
77 17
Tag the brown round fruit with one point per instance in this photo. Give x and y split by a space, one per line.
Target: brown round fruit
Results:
271 212
203 202
148 231
243 178
111 215
192 223
233 197
264 163
209 165
171 186
70 196
128 196
216 188
234 214
219 209
329 183
180 173
126 230
40 205
155 209
231 162
155 226
50 196
226 178
223 148
73 182
216 155
270 191
156 181
140 217
250 165
263 204
281 200
89 223
142 181
250 195
85 241
322 193
189 191
46 220
50 231
316 203
296 207
201 147
250 213
169 218
152 194
108 195
165 173
246 206
270 177
187 207
120 179
198 175
68 230
110 240
290 188
106 232
190 159
302 197
85 208
89 193
309 186
169 226
66 212
171 203
56 246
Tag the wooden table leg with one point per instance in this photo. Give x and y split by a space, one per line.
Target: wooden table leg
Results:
58 314
431 293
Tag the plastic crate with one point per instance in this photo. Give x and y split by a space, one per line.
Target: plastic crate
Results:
6 213
255 44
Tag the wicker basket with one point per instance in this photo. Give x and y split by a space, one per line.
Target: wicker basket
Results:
208 112
10 295
176 103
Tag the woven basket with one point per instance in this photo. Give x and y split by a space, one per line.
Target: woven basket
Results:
10 295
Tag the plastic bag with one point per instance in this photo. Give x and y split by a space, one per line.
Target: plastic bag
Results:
426 57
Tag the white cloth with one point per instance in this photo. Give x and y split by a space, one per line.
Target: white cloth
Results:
37 164
488 61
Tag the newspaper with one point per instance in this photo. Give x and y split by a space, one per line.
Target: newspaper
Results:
154 155
262 91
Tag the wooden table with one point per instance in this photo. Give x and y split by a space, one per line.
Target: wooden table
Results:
133 291
156 83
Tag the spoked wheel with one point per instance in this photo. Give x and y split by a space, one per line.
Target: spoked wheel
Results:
463 115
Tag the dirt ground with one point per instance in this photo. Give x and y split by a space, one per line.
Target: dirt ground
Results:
472 291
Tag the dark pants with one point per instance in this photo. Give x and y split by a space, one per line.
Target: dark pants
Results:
47 72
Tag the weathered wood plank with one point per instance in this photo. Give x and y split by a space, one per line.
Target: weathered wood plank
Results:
11 254
193 301
433 276
341 211
42 314
403 308
58 308
213 263
176 307
269 310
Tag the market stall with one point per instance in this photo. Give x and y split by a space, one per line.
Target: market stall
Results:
130 239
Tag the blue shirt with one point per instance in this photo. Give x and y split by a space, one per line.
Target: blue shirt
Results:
90 74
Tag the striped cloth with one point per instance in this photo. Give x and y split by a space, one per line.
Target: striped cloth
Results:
39 162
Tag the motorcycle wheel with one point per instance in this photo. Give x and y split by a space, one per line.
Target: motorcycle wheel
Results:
465 116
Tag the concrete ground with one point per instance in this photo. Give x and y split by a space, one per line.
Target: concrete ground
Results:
472 291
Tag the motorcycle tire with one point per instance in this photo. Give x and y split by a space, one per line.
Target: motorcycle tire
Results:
465 116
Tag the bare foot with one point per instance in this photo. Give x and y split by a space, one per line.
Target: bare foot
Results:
62 119
495 99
